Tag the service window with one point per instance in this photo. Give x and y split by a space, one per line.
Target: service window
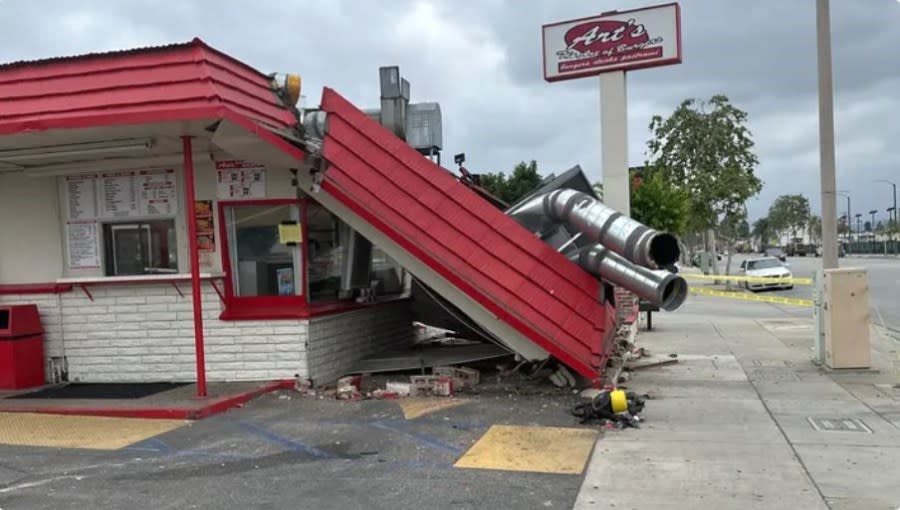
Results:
140 247
264 249
328 240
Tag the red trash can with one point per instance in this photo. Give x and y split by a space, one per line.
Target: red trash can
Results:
21 347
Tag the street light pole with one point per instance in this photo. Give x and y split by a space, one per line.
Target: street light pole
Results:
872 231
826 137
846 195
895 197
858 228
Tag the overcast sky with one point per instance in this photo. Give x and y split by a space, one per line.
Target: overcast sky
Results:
482 61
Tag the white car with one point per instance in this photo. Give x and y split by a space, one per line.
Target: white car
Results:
766 267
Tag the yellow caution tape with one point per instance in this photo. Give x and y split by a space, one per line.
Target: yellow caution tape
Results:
752 297
751 279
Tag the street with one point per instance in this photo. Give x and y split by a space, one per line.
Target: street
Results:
884 278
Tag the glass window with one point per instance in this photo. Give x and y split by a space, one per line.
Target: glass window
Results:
387 275
140 247
262 262
328 239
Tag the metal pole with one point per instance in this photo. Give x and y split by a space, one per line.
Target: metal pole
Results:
826 138
190 199
614 141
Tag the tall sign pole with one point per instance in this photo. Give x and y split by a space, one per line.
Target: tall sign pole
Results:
826 139
608 45
614 141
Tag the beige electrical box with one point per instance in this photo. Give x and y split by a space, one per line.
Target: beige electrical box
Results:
847 317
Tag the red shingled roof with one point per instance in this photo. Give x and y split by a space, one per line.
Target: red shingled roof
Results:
473 245
176 82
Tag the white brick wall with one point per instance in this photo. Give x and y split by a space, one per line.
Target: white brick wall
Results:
337 342
146 333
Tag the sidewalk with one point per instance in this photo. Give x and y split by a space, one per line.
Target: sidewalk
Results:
731 424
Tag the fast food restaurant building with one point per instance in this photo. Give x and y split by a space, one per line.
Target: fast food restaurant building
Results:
133 182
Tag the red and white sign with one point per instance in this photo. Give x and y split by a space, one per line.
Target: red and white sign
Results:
615 41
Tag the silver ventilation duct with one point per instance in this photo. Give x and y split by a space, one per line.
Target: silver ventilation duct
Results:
662 288
631 239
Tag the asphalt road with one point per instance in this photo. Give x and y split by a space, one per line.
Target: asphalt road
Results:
884 284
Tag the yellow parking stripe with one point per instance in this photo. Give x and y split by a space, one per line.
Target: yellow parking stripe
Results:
90 432
752 297
415 407
751 279
535 449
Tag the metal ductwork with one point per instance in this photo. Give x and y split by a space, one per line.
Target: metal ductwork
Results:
631 239
664 289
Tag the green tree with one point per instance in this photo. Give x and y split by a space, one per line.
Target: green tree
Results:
814 229
762 230
733 228
524 178
789 212
706 149
659 205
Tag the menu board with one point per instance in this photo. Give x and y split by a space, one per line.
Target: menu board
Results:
113 195
83 240
118 195
156 192
240 179
81 196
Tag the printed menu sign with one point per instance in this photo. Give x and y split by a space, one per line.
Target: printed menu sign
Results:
81 197
240 179
83 243
157 192
118 195
113 195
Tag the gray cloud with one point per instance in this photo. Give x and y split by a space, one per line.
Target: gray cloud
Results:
481 61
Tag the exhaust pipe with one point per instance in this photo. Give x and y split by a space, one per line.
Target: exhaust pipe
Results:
662 288
631 239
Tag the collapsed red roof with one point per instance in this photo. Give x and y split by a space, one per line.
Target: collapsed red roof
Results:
475 246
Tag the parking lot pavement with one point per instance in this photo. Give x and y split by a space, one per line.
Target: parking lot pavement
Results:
304 452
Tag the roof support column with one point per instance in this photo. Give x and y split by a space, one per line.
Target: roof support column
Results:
191 212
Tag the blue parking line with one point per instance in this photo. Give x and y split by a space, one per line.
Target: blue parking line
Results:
290 444
421 438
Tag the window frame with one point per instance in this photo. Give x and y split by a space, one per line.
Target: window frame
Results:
237 308
259 307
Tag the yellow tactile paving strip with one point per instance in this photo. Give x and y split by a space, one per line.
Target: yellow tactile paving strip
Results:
536 449
415 407
91 432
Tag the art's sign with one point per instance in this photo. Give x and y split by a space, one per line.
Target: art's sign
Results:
614 41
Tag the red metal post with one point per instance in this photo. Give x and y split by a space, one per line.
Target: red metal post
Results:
191 212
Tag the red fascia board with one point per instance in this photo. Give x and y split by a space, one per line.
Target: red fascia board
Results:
34 288
81 83
113 98
93 64
146 114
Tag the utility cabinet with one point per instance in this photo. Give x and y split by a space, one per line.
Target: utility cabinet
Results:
847 318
